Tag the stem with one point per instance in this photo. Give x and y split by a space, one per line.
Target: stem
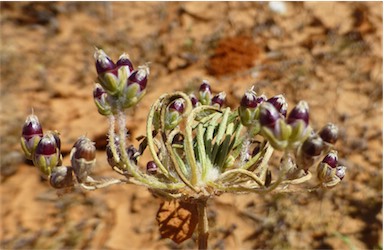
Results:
202 239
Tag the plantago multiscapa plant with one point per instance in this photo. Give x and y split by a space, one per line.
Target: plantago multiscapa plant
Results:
199 147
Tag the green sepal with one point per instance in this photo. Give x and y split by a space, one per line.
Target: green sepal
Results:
109 82
172 119
46 163
276 143
248 116
28 152
132 95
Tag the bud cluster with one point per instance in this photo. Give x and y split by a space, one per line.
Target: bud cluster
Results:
120 85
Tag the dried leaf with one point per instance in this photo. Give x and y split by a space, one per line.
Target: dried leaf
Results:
177 220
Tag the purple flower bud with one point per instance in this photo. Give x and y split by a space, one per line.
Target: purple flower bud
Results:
249 100
103 62
299 112
280 104
101 101
47 154
268 115
219 99
205 93
32 127
174 113
132 153
140 77
331 159
329 133
61 177
125 61
194 100
177 105
152 168
31 134
312 146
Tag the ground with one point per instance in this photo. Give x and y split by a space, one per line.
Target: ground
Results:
329 54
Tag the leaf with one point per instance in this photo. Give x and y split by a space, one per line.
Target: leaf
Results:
177 220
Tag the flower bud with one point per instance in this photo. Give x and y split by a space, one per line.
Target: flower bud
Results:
103 62
47 154
194 100
152 168
273 126
309 151
329 133
280 104
174 113
83 158
100 97
132 153
331 159
61 177
248 107
218 100
125 62
205 93
299 113
135 86
31 134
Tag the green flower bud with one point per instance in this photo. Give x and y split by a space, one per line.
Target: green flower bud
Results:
174 113
205 93
135 86
31 135
248 109
100 97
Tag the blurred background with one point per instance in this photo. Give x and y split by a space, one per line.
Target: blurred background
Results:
328 53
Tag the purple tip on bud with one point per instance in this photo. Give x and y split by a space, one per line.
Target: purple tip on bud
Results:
98 92
125 61
47 146
312 146
329 133
219 99
152 168
249 99
205 87
268 115
331 159
103 62
32 127
194 100
177 105
280 104
139 76
299 112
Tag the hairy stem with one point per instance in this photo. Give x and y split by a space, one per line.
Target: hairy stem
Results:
202 240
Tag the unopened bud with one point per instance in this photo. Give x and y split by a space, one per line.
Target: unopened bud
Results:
299 113
103 62
152 168
47 154
329 133
205 93
61 177
136 86
248 107
101 101
331 159
83 158
31 134
280 104
219 99
194 100
174 113
124 61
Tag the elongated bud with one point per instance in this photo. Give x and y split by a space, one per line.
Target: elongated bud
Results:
61 177
136 86
101 101
205 93
103 62
83 158
31 134
47 154
248 107
309 151
152 168
273 126
124 61
329 133
299 113
174 113
219 99
280 104
328 172
194 100
331 159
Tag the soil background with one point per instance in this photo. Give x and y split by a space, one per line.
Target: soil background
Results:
329 54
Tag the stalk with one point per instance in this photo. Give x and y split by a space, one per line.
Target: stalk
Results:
202 240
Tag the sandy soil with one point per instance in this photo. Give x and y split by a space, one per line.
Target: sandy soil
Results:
329 54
